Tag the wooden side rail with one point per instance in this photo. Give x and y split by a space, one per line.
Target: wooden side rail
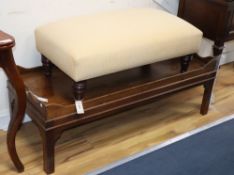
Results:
8 64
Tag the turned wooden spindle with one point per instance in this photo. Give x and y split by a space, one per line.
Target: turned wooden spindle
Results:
79 89
184 63
146 69
47 66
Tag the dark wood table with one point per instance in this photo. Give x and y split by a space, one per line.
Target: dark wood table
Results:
215 18
8 64
106 95
54 112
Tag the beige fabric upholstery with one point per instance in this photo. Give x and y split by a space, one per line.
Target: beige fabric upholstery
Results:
90 46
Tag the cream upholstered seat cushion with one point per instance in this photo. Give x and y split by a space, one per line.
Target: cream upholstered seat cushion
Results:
90 46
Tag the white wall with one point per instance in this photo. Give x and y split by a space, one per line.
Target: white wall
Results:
20 17
169 5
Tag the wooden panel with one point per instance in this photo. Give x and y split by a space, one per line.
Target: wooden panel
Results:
212 17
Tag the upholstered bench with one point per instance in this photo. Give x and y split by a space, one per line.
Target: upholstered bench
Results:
128 58
91 46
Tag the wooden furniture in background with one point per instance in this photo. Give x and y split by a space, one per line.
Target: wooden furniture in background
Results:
214 17
19 103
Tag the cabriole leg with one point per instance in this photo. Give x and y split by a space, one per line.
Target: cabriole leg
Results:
18 110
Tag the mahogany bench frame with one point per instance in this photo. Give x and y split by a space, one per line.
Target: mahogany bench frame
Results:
51 130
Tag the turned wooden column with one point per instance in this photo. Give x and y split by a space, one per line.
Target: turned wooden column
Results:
184 63
79 89
7 63
47 66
